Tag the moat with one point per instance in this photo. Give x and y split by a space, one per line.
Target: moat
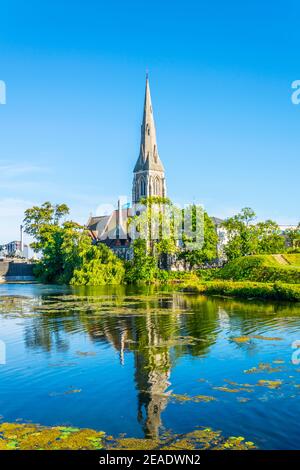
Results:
146 361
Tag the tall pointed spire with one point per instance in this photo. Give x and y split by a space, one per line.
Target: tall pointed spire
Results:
149 176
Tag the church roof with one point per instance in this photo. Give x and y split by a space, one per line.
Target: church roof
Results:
148 157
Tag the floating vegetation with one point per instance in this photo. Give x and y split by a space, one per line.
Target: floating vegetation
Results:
247 339
35 437
241 339
242 386
16 436
85 353
132 443
226 389
195 399
234 390
262 367
272 384
16 305
267 338
204 438
67 392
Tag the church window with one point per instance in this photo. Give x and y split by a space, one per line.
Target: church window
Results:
142 187
157 187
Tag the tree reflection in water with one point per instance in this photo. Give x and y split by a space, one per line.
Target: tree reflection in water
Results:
156 327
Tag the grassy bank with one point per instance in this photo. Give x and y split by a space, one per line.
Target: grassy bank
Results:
245 289
263 268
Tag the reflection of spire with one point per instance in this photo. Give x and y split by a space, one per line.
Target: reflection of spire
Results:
224 318
153 399
122 346
152 379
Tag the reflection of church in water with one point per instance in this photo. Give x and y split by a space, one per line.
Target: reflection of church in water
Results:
151 332
153 340
146 339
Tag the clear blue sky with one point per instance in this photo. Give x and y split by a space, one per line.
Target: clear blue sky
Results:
220 76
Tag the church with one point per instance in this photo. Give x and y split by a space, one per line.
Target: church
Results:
148 174
148 180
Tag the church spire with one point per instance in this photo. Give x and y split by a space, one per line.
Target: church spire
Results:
149 176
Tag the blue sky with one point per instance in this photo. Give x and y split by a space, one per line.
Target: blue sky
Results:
220 76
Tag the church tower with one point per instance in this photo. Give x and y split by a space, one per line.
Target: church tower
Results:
149 173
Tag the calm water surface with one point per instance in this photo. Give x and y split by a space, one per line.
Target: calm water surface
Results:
116 359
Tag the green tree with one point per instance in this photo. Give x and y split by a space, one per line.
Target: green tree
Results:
247 238
67 253
143 267
293 237
270 239
41 222
207 251
98 266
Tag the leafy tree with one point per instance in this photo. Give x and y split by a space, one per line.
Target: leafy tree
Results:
67 253
247 238
41 222
160 224
207 251
293 237
98 266
143 267
270 239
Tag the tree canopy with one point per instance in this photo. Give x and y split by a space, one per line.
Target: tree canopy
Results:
68 255
245 237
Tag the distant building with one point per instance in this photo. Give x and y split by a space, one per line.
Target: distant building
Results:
14 249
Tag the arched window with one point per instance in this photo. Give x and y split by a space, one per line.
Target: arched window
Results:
151 186
142 187
157 186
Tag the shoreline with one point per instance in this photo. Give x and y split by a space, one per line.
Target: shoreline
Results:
245 289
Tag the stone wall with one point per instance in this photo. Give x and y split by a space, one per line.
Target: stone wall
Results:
16 271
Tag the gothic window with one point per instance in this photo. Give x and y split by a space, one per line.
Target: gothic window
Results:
157 186
142 187
150 186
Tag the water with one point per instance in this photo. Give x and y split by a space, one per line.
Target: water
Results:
113 359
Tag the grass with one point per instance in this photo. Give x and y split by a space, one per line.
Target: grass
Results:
263 268
293 259
246 289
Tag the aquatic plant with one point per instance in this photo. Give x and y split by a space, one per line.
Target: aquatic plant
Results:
17 436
